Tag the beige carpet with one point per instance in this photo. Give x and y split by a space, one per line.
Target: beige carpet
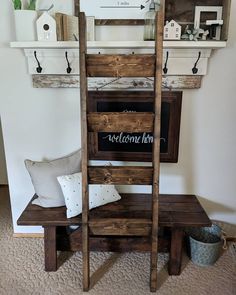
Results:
22 270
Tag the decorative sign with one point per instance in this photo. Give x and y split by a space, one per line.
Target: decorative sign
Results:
135 146
136 142
114 9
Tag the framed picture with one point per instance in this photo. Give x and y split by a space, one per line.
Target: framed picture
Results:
217 10
135 146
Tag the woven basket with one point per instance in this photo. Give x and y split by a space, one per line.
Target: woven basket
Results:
205 244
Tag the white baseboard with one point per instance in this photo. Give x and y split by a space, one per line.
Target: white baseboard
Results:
25 235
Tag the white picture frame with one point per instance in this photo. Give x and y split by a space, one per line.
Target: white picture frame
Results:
200 9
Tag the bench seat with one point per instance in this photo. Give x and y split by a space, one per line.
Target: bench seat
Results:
176 212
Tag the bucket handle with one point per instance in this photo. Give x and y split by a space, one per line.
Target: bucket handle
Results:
224 238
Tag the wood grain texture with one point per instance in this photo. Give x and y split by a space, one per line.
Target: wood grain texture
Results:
183 11
174 211
84 136
226 18
156 144
120 227
120 65
73 81
119 22
120 244
120 175
50 248
120 122
176 251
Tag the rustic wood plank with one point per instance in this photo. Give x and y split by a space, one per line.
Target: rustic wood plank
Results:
176 251
226 18
166 218
119 22
183 11
176 199
180 207
120 65
130 205
120 244
73 81
124 227
84 136
50 249
120 175
120 122
189 219
156 144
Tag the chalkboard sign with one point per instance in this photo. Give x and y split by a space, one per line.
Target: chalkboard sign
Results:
135 146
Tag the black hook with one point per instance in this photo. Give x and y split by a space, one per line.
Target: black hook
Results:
39 68
69 69
165 69
195 69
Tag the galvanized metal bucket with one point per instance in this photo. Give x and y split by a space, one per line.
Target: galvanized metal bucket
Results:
205 244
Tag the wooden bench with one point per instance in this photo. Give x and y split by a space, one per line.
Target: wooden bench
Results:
176 213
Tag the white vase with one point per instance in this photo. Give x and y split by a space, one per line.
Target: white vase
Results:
25 23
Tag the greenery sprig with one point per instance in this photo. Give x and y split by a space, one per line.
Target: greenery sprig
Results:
30 6
17 4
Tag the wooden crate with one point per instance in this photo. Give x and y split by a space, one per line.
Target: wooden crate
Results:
183 12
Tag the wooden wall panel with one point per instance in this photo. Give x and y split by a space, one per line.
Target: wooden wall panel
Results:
107 65
120 175
72 81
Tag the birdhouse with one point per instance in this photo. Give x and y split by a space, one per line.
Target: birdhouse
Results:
172 30
46 28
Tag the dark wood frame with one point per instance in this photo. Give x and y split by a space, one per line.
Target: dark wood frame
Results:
175 100
182 11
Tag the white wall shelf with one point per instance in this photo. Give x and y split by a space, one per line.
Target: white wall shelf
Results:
122 44
182 56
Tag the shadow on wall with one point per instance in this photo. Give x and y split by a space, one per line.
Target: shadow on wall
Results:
3 169
212 207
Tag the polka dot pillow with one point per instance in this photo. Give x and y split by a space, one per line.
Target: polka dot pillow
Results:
99 195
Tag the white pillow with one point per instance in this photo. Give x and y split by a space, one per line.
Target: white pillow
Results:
44 178
99 195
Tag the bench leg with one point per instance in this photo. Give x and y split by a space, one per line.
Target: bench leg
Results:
86 264
50 248
176 251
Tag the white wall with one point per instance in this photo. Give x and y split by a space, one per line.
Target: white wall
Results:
3 169
45 123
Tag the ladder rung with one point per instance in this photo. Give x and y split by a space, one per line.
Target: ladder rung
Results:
133 65
120 122
120 227
120 175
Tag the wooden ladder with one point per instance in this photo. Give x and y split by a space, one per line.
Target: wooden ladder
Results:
135 65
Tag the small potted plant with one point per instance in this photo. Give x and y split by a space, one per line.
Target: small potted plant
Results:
25 20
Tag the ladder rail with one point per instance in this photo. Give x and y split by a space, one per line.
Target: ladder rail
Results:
84 139
98 122
156 144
